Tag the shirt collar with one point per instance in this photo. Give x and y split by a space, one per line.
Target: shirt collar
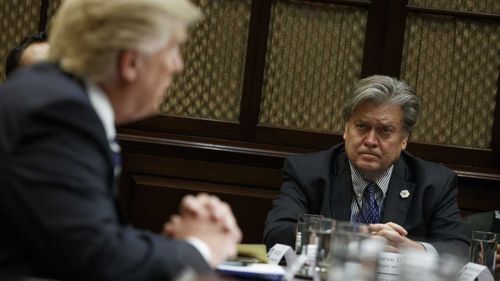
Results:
359 183
103 108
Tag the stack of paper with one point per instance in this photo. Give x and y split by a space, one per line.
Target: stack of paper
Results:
253 271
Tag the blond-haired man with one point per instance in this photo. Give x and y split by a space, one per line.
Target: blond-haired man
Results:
111 63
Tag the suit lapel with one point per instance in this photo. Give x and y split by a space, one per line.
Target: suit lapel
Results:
341 193
399 195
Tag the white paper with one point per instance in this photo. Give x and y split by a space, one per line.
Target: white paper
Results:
389 264
258 268
278 251
387 277
471 271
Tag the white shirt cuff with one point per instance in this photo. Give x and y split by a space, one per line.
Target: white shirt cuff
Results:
429 248
202 247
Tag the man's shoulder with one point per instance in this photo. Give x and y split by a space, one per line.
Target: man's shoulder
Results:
44 78
419 168
40 85
317 164
318 157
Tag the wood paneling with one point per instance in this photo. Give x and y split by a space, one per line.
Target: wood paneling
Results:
158 172
154 199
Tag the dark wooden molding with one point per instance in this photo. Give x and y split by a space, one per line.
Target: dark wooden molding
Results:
188 126
129 137
44 10
200 186
272 156
495 138
395 33
298 138
453 155
478 194
255 66
454 13
374 39
357 3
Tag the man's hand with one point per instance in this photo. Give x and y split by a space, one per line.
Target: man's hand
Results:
212 208
206 218
395 235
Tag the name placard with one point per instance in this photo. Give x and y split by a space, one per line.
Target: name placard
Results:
278 251
471 271
389 263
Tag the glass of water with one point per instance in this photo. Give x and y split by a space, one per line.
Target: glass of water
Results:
483 249
324 238
354 254
304 222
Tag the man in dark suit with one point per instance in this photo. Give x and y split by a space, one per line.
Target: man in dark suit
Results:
112 61
371 179
30 50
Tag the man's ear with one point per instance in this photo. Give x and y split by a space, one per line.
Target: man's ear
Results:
128 65
404 142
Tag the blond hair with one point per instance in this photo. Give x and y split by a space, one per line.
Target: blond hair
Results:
88 35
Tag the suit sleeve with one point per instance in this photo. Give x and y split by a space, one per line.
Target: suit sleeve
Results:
58 199
447 231
291 202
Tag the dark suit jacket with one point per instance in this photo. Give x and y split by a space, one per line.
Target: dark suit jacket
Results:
320 183
58 213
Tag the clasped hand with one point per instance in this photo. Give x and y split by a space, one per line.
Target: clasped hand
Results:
395 235
207 218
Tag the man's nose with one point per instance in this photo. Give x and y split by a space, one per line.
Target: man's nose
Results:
371 139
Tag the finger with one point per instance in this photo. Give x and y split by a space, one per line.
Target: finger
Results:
376 227
231 223
189 205
398 228
216 208
170 228
195 206
222 213
391 235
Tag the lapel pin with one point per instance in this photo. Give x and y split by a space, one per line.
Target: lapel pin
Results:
404 193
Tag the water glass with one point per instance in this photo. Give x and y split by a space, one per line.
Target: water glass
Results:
483 249
323 249
304 222
354 253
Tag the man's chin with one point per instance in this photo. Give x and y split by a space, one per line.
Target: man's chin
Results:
368 168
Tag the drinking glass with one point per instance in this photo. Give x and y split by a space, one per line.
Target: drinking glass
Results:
483 249
354 253
324 238
304 222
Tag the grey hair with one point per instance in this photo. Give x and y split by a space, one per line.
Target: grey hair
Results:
379 89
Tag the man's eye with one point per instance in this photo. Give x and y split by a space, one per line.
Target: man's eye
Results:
387 131
361 126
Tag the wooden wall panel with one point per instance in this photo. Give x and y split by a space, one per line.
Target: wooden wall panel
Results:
154 199
248 179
